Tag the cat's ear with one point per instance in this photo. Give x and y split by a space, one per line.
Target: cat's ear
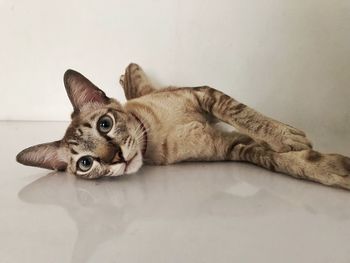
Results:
80 90
46 155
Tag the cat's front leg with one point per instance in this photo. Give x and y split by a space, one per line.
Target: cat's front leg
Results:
280 137
135 82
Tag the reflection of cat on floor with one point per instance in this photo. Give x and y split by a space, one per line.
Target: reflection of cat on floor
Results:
106 209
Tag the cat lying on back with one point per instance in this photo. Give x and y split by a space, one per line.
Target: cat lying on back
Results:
165 126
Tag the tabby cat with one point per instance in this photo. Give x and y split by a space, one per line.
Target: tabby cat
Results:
170 125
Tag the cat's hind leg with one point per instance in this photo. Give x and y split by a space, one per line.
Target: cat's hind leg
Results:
201 142
135 82
327 169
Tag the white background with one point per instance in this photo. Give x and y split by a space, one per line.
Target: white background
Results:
289 59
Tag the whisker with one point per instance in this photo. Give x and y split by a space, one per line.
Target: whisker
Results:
138 133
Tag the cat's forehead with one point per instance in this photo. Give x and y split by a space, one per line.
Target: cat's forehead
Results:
74 132
90 110
81 135
83 123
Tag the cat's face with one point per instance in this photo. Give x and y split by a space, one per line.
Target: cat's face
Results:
101 140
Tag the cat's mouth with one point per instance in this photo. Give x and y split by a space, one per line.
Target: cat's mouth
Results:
127 163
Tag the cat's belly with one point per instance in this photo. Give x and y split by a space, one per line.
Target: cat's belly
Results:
189 141
170 120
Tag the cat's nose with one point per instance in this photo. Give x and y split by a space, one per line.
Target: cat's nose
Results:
110 153
118 157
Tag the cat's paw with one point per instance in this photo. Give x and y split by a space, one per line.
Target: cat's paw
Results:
329 169
332 163
290 139
295 139
133 74
135 82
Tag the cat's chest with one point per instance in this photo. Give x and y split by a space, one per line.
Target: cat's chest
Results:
165 110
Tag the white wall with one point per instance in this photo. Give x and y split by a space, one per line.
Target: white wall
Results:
289 59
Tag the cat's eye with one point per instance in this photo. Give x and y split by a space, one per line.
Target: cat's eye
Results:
85 163
105 124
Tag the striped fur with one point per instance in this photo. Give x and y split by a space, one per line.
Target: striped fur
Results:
178 124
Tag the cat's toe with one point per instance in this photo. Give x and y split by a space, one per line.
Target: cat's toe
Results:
295 131
298 143
342 164
132 68
291 143
121 80
346 164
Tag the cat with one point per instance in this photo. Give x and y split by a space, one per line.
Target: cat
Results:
171 125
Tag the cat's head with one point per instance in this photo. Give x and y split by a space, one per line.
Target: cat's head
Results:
101 140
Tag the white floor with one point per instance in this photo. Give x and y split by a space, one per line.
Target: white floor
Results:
194 212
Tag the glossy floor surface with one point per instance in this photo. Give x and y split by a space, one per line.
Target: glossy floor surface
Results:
193 212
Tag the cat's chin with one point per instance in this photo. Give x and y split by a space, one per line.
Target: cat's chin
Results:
131 166
134 164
